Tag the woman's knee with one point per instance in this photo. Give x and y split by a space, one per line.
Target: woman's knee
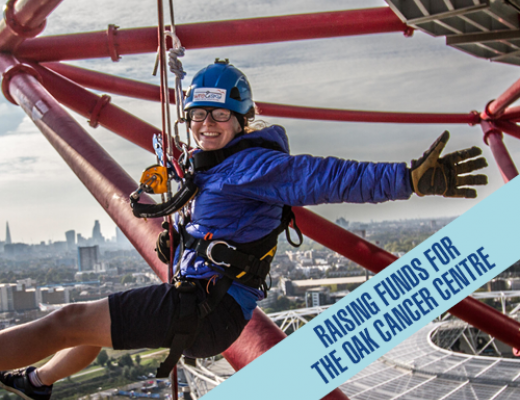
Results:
82 323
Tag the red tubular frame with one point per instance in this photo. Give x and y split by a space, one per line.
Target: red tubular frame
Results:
507 127
280 110
223 33
127 87
493 138
496 108
110 116
23 19
511 114
109 83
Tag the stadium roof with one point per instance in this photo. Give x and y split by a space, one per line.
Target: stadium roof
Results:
417 369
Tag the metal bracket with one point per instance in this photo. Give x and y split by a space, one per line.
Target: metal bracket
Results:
94 115
112 43
15 70
486 115
16 27
489 128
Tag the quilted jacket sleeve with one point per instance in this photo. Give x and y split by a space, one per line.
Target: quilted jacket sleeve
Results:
276 177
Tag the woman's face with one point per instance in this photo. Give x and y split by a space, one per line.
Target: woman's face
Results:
210 134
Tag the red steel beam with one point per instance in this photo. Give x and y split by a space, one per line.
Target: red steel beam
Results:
508 127
376 259
512 114
91 106
493 138
109 83
285 111
23 19
496 108
127 87
103 177
111 186
215 34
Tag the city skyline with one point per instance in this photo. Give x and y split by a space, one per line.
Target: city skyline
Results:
340 220
96 235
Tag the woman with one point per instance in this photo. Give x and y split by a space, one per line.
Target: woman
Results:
227 238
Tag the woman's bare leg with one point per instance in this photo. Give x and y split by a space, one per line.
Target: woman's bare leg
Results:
66 363
74 325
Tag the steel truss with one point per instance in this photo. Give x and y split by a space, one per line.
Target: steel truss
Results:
37 87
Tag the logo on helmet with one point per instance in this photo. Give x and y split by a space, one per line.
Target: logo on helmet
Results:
210 94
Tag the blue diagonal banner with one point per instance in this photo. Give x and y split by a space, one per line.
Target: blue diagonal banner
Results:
389 308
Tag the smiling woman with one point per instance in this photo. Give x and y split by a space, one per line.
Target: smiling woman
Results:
213 128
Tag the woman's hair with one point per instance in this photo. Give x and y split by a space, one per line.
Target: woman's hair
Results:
250 125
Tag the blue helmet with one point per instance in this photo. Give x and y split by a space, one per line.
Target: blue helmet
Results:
220 85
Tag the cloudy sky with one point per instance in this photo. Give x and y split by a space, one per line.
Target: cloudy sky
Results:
42 198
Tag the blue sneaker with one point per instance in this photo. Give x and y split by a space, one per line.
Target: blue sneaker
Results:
18 382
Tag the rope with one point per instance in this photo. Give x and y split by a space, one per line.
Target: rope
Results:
176 67
177 51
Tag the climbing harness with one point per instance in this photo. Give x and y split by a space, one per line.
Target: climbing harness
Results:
247 263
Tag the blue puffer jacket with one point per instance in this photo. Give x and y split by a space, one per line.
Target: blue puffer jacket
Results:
242 198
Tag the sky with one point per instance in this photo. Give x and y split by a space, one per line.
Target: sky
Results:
42 198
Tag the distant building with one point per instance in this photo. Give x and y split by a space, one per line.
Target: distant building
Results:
81 240
55 295
60 247
317 297
16 249
88 257
300 287
71 239
18 296
7 234
97 237
342 222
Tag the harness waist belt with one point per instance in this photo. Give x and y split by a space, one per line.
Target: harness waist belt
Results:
244 268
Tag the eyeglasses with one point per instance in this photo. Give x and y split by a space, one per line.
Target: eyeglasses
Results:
218 114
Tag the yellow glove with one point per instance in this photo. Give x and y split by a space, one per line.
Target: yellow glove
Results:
432 175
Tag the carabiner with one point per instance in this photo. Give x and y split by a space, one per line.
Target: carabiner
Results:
210 247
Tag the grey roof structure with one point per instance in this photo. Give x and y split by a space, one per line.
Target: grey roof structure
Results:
418 369
484 28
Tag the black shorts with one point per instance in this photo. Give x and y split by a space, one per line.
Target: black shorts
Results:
143 318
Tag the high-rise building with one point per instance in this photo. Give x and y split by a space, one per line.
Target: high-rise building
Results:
97 237
7 234
71 239
88 257
81 240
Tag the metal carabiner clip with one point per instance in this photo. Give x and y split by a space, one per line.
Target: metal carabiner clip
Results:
213 244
